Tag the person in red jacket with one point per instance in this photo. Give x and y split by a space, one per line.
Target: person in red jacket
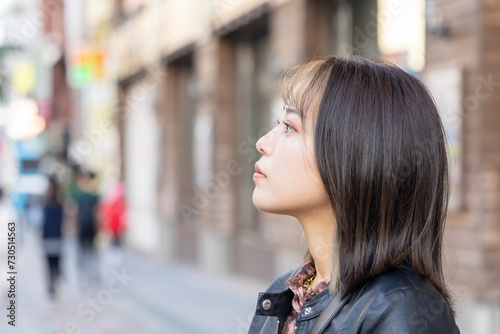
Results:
113 211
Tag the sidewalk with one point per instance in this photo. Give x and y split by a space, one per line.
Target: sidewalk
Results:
135 294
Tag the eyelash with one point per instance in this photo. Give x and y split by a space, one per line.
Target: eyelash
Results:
288 126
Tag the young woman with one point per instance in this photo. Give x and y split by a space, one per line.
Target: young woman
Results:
52 226
359 159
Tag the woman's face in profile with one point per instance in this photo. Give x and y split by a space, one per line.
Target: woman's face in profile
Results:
291 183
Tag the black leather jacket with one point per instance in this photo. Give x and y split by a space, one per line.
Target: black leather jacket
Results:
397 302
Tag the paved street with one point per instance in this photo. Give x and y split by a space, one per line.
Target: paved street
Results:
134 294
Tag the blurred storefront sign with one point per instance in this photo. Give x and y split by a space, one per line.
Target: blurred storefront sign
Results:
86 65
27 179
24 77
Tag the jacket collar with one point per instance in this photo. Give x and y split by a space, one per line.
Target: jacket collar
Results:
280 304
274 304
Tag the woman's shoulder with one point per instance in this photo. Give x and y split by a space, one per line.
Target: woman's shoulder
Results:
401 301
399 280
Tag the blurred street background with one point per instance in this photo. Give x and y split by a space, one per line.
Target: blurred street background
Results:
127 149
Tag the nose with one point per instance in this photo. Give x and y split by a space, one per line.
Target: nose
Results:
263 144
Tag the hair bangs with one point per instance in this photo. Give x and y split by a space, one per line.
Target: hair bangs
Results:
302 87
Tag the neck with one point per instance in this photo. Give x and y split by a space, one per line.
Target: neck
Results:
318 229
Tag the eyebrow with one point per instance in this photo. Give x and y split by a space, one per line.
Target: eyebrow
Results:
290 110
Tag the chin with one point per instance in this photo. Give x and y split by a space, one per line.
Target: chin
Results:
261 203
267 206
273 202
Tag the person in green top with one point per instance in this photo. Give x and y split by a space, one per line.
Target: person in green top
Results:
87 203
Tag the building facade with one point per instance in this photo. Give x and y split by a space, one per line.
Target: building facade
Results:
465 51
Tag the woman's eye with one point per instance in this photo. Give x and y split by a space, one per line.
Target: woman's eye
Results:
287 126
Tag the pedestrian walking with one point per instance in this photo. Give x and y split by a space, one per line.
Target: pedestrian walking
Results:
359 159
87 202
52 226
113 212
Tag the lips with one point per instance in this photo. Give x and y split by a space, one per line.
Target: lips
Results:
258 171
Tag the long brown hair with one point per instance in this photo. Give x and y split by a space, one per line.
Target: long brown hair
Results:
380 151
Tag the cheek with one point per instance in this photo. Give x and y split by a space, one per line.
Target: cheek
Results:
289 168
295 184
309 185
